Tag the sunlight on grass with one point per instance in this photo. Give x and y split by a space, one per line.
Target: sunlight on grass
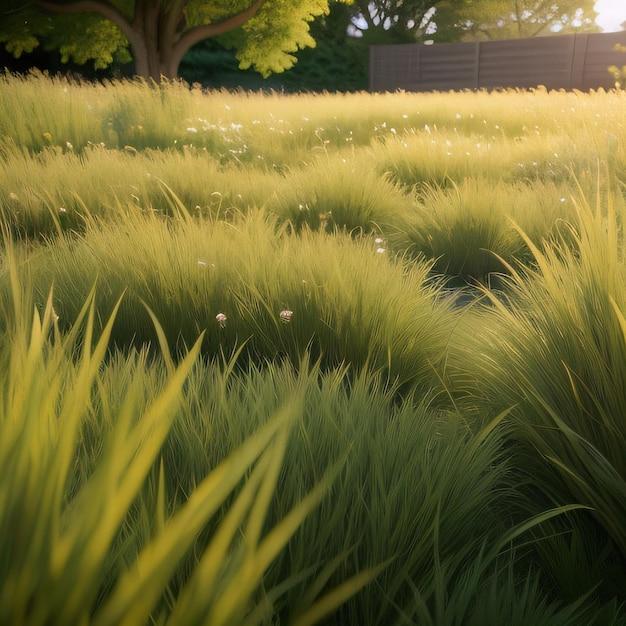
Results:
317 358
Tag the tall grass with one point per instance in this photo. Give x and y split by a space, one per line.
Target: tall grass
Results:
555 351
280 129
99 537
117 468
414 490
348 300
340 192
434 156
467 228
234 388
126 501
51 190
44 192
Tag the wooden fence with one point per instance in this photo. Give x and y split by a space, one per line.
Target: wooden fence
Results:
556 62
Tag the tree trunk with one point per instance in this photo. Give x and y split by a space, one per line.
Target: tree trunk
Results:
145 44
164 40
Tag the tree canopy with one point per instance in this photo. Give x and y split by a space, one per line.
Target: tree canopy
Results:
512 19
157 34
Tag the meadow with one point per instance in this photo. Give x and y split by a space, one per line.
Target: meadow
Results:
311 359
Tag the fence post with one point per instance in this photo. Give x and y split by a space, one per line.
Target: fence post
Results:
578 62
477 64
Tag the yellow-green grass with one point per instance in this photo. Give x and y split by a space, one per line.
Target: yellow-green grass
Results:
555 352
140 490
464 461
52 191
470 229
37 111
97 535
350 300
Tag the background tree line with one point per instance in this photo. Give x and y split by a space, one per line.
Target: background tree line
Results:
262 44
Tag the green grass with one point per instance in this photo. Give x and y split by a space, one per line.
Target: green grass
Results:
111 486
43 192
351 302
313 358
560 333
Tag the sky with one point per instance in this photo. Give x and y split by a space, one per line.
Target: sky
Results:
611 13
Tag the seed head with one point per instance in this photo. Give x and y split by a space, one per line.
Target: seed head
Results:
221 319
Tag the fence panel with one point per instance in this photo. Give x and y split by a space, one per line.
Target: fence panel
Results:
508 64
557 62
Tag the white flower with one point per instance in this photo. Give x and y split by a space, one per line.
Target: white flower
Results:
378 240
285 316
221 319
380 250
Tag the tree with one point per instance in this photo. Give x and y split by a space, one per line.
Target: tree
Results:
392 21
158 33
512 19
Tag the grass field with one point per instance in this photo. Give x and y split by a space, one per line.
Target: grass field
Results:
317 358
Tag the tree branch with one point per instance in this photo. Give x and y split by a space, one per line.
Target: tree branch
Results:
200 33
102 7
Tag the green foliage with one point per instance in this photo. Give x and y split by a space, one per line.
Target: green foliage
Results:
79 38
286 34
19 27
92 39
507 19
619 73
